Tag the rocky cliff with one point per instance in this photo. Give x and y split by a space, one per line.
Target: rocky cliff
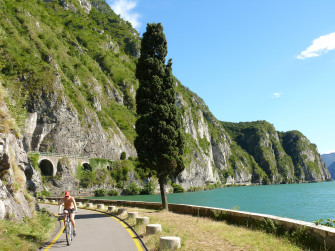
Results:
15 202
70 64
285 157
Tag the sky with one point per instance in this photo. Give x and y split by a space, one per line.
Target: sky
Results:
252 60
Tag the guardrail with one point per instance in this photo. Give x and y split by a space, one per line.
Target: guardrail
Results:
61 155
322 235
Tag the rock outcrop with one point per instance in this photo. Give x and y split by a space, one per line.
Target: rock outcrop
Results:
15 202
307 161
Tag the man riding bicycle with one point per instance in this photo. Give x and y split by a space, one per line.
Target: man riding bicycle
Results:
70 207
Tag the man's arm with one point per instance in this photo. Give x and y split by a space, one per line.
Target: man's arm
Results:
75 204
60 206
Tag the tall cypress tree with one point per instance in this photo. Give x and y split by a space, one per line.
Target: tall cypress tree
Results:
159 142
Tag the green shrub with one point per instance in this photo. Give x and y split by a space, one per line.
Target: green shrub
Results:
213 186
87 178
43 194
195 189
33 158
100 192
132 189
113 192
327 222
177 188
123 156
120 184
120 173
149 188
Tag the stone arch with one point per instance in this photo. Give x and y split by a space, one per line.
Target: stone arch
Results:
46 167
87 167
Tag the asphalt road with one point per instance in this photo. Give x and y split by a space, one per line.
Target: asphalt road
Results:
95 232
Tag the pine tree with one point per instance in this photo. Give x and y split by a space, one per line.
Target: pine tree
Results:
159 142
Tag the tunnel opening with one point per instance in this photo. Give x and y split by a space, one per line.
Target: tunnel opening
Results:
87 167
46 167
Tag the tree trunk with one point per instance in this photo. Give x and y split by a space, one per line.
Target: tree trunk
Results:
162 182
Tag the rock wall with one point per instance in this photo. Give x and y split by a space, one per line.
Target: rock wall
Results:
15 203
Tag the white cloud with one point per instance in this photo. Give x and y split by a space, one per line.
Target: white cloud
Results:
276 95
124 9
319 46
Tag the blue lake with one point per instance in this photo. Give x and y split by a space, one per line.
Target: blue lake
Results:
307 202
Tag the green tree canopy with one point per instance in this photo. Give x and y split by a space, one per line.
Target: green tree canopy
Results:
160 142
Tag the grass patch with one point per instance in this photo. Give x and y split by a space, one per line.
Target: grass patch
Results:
199 233
27 235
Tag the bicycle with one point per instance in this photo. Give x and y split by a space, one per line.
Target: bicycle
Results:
68 226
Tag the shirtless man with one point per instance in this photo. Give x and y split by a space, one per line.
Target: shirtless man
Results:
69 204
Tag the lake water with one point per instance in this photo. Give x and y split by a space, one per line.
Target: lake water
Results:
307 202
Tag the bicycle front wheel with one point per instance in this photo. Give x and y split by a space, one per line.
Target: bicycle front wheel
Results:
68 232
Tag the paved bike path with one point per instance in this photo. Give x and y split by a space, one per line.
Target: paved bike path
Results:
95 231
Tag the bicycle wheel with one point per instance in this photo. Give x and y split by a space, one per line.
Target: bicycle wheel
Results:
68 232
71 230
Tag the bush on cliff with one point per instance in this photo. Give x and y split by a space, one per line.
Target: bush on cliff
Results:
132 189
177 188
100 192
113 192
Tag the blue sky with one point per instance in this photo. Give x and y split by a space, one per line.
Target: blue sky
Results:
252 60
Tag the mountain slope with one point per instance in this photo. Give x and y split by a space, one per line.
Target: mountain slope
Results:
329 158
71 65
331 169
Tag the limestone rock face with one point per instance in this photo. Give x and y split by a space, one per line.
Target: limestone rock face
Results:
53 126
13 169
13 166
284 157
209 157
307 160
86 5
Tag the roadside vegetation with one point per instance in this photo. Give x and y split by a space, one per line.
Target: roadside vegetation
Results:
30 234
199 233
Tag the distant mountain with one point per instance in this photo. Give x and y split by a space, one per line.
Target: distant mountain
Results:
329 158
331 169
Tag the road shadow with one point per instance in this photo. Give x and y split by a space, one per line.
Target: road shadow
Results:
90 216
57 244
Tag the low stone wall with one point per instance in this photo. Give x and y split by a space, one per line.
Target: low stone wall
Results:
320 234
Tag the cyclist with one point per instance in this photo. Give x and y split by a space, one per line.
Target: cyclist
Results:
71 207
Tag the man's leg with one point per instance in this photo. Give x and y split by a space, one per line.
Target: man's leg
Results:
73 223
64 217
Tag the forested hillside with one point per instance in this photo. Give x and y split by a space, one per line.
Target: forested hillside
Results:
68 68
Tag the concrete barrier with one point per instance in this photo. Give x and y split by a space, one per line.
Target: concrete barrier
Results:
132 215
89 205
79 204
46 201
111 208
153 228
321 234
101 206
169 242
142 220
53 201
122 211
